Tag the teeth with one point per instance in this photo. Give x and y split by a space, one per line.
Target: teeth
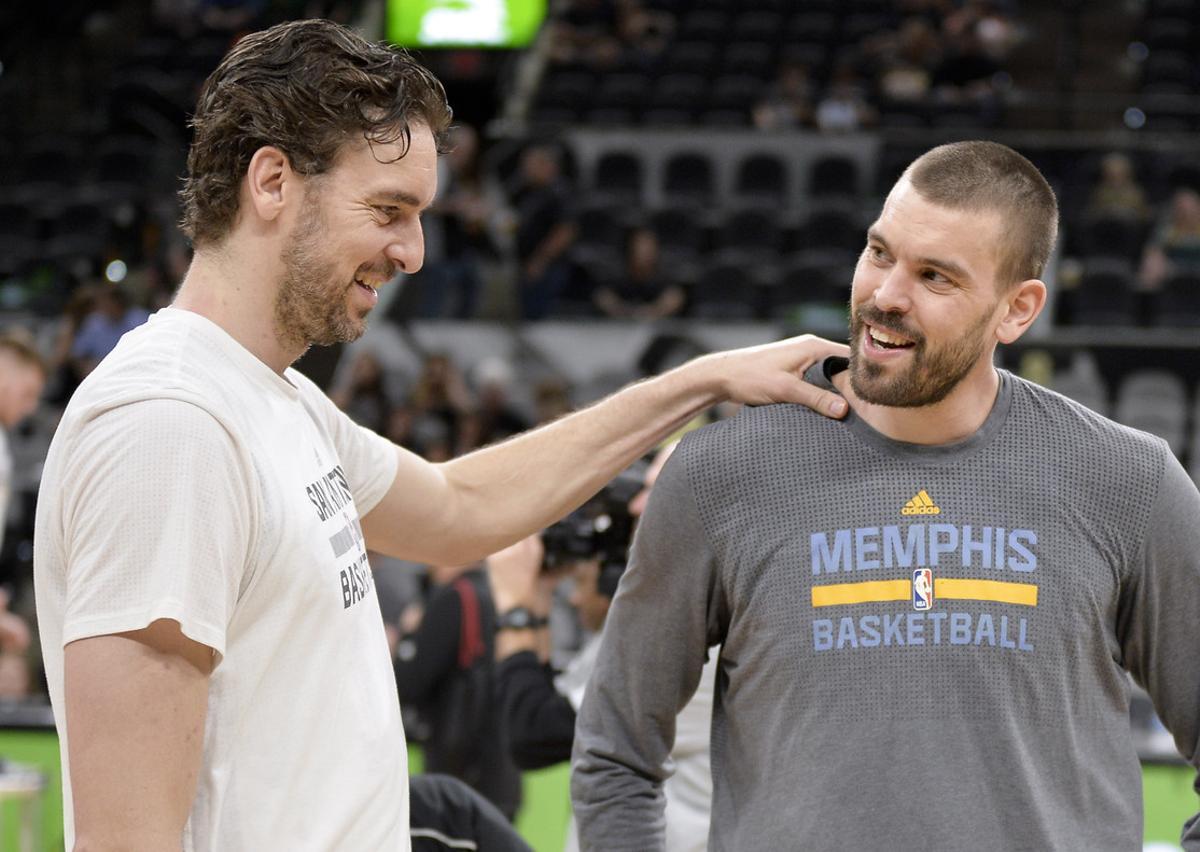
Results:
883 337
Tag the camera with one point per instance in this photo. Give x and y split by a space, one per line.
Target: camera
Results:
600 529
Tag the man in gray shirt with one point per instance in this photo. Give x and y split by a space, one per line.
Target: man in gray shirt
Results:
926 611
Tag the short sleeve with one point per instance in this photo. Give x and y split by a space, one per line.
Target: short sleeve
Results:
369 460
158 513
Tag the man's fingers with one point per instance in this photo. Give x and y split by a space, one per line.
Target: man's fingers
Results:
822 401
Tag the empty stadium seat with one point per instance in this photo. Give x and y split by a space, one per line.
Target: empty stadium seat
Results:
1155 401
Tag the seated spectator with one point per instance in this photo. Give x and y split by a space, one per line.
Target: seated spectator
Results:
1117 192
545 230
907 62
787 102
112 315
442 403
643 292
364 394
465 213
1174 247
495 418
844 108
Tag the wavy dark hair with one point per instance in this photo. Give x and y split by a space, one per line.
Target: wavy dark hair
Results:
307 88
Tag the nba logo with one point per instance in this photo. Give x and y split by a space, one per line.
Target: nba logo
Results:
922 589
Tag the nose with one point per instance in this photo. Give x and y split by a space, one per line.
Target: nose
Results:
893 295
407 248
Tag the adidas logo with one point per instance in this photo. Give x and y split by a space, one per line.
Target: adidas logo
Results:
922 504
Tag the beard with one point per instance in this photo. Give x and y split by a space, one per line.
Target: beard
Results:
310 305
932 373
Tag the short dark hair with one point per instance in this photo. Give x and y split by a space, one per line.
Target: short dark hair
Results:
305 87
989 176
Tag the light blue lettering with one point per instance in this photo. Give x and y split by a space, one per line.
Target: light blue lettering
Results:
984 628
1022 642
905 554
937 618
862 547
830 560
960 628
943 538
998 540
916 628
891 630
846 634
983 547
1017 539
869 625
1005 642
822 634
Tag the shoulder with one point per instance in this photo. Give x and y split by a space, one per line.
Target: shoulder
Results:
1085 444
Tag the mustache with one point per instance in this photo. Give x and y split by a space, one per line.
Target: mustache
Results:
868 314
385 272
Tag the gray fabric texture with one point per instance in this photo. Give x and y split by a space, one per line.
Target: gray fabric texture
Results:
980 722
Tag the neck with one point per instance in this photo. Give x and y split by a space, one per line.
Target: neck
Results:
233 287
958 416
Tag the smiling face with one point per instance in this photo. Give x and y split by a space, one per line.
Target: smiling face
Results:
359 225
925 301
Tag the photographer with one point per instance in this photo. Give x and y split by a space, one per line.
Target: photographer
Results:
539 707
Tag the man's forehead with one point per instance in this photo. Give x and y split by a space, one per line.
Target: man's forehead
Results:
965 235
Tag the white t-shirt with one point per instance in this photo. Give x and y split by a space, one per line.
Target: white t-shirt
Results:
189 481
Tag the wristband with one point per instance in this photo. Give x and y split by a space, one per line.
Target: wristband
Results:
520 618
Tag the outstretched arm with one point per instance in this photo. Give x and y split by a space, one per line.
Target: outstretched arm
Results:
461 510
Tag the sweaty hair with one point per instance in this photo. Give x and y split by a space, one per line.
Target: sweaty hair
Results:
307 88
19 348
987 176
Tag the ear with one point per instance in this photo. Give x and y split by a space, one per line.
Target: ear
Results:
270 182
1021 307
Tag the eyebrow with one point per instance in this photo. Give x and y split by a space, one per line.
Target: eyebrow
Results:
946 265
397 196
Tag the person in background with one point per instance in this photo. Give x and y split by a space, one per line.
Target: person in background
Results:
545 230
445 668
23 374
1174 247
111 317
1117 192
643 292
541 706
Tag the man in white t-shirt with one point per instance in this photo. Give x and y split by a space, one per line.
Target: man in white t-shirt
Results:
214 649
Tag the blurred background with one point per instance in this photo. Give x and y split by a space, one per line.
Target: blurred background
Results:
633 183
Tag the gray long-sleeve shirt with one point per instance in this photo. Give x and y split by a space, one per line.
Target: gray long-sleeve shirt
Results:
923 647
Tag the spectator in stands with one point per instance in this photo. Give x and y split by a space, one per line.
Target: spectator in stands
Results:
1117 193
545 230
586 33
364 394
446 669
1175 245
112 315
788 100
964 74
644 33
844 107
22 380
63 369
496 418
441 396
906 61
465 211
643 292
